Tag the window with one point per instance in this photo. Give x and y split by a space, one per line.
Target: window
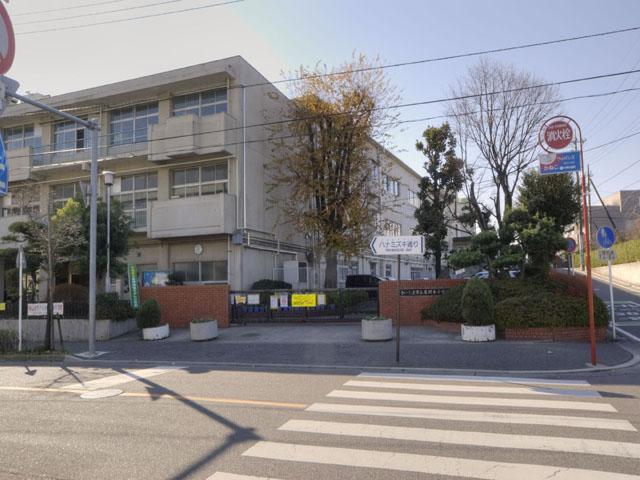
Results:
214 271
387 270
414 201
198 181
19 137
391 185
373 268
130 125
62 193
391 228
68 136
23 201
136 191
201 104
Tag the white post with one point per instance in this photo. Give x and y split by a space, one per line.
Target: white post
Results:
613 305
107 277
20 257
93 224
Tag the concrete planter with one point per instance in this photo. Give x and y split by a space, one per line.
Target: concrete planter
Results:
204 330
155 333
377 330
473 333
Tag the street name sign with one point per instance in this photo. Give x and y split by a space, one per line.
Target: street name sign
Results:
605 237
398 245
7 41
553 163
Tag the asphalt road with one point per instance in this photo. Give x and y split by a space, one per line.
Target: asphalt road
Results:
241 425
627 309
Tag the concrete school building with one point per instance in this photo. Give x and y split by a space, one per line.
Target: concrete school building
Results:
188 149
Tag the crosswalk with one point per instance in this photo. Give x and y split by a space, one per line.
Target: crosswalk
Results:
413 426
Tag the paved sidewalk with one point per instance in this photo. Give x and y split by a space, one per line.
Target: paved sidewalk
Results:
340 345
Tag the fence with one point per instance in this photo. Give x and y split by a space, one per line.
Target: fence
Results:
79 310
329 305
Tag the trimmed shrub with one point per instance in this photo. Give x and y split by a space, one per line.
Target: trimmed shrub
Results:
70 292
477 303
547 310
148 315
626 252
8 341
347 298
266 284
110 307
447 307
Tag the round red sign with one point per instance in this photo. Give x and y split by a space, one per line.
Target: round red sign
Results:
7 41
558 134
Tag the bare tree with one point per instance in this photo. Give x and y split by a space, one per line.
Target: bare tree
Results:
500 109
326 170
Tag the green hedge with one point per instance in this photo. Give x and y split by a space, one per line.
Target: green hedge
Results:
266 284
8 341
347 298
626 252
447 307
547 310
148 315
110 307
477 303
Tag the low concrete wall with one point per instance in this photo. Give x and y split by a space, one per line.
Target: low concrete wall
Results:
73 330
624 272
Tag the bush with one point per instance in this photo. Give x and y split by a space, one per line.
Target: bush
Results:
266 284
347 298
8 341
626 252
148 315
70 292
477 303
110 307
548 310
447 307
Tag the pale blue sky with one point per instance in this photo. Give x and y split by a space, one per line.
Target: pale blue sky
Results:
280 35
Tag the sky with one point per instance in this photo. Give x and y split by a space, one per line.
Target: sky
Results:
278 36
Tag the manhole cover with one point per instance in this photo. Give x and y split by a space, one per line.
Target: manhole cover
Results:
95 394
250 335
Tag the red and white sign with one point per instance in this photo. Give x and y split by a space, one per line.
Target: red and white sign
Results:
7 41
558 134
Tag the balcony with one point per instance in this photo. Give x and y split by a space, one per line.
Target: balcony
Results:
192 216
192 135
19 161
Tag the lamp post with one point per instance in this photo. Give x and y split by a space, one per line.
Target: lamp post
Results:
108 182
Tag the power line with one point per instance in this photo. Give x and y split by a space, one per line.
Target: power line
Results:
620 172
103 12
130 19
425 102
67 8
616 140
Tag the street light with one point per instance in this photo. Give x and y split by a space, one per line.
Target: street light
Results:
108 182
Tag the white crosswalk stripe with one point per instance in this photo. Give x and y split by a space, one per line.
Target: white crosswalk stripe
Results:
377 396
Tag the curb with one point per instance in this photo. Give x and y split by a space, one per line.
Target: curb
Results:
635 360
629 287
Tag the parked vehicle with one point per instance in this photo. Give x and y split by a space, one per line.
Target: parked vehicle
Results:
483 274
362 281
514 273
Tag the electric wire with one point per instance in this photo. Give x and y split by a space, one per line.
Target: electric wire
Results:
87 5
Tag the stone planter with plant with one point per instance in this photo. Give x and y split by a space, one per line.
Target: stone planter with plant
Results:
203 329
375 329
148 319
478 312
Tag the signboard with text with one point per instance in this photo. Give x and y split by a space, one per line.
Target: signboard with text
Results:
398 245
553 163
303 299
134 294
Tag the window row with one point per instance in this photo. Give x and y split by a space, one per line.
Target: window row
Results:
126 125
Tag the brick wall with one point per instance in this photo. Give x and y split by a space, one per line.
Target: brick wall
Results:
181 304
410 306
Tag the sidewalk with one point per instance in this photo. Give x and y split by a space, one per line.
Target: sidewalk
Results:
339 345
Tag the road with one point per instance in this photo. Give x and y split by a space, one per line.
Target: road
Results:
170 423
627 307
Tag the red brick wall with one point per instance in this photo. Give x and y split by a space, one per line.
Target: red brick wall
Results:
410 307
563 334
181 304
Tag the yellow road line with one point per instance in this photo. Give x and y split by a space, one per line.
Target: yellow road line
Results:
171 396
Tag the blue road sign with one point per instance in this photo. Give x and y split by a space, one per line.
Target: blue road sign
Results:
4 169
605 237
571 245
564 162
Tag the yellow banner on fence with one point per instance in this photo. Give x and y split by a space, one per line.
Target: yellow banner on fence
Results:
303 299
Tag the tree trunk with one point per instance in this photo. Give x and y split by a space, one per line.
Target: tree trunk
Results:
437 254
331 269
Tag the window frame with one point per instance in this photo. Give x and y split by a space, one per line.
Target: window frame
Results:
199 184
200 270
133 192
135 116
200 105
24 140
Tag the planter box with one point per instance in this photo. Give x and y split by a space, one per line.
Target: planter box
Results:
155 333
204 330
484 333
377 330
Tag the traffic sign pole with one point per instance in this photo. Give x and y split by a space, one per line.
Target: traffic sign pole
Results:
613 305
20 261
398 317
